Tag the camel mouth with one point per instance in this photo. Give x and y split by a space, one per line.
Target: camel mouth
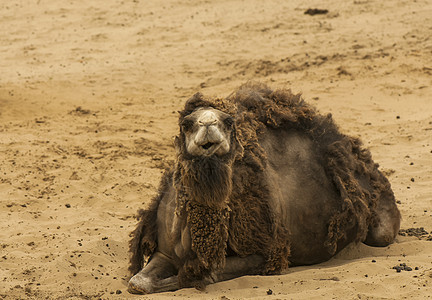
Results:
206 146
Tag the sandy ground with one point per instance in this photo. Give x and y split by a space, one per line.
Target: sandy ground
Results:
89 94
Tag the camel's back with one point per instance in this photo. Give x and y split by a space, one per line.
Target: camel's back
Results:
302 195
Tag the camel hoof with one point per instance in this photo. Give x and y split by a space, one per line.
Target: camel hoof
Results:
140 285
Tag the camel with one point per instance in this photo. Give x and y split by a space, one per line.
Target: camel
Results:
261 182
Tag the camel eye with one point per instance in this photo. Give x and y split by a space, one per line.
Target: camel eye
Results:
229 122
187 124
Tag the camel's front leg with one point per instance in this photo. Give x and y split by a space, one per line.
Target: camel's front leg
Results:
159 275
235 267
240 266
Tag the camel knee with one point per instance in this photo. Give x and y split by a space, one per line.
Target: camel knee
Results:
385 231
140 284
156 276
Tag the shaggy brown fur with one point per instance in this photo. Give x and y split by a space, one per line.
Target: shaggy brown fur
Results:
343 157
225 199
252 227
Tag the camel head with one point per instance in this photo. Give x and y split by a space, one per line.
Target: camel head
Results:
207 132
207 147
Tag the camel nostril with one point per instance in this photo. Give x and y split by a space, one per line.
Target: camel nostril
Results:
207 145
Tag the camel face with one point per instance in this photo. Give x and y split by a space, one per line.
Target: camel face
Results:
207 131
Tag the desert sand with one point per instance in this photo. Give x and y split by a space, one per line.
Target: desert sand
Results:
89 94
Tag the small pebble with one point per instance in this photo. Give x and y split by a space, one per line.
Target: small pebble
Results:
269 292
118 292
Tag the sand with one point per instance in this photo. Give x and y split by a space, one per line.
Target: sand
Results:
89 94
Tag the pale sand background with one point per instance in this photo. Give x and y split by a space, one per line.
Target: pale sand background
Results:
89 94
